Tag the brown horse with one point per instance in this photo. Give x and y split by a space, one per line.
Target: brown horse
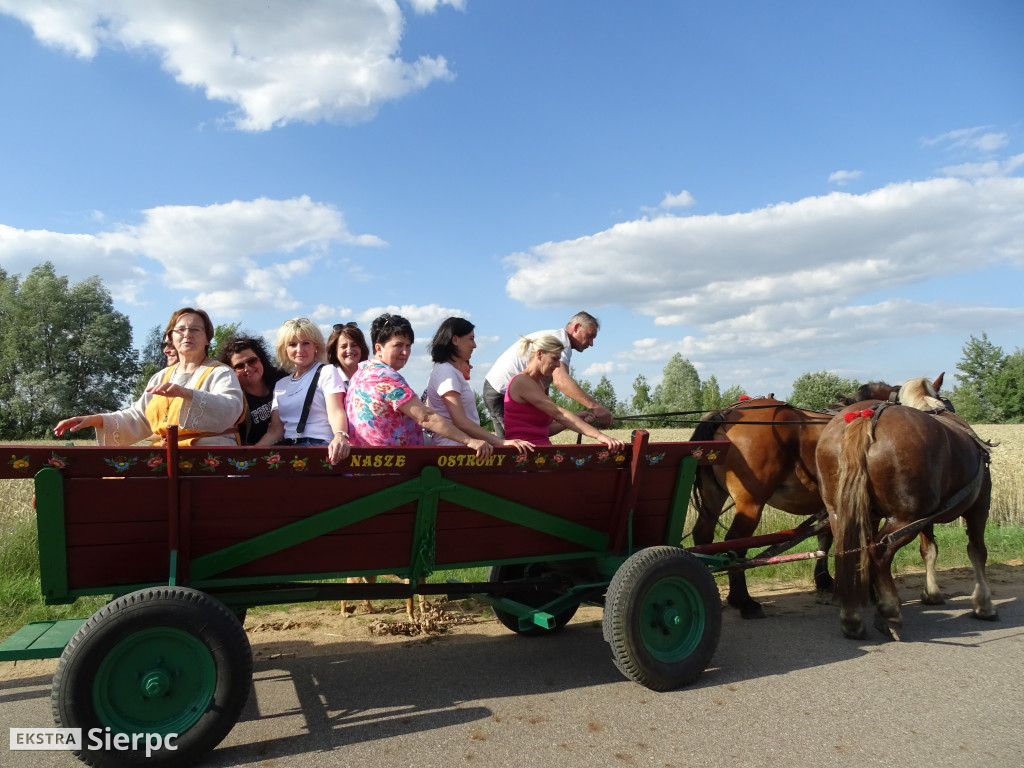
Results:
771 461
913 469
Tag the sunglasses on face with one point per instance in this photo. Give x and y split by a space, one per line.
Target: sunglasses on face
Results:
249 362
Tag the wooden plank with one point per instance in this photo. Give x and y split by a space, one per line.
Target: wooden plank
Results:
39 640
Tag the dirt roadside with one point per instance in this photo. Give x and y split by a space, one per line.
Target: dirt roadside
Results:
311 626
305 630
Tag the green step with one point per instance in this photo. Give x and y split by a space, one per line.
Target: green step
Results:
39 640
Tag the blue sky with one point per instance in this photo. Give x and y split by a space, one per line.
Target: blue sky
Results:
767 188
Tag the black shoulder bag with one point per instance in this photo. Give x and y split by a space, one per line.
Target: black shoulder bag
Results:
305 407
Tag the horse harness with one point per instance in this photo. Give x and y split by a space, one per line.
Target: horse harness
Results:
985 449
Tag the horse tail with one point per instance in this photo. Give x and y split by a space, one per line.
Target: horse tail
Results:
705 430
852 524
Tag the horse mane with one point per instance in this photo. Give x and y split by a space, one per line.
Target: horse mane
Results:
920 394
873 390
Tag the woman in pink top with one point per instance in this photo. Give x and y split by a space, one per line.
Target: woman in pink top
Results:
529 413
383 410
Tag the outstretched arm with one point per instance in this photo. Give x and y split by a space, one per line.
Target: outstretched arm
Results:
568 387
527 390
459 418
429 419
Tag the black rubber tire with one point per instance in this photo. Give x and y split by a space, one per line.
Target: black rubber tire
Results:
188 646
514 572
662 617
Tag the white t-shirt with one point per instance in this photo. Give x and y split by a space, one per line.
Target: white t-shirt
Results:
511 362
444 378
290 394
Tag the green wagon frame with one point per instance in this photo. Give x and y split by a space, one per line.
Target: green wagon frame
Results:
185 539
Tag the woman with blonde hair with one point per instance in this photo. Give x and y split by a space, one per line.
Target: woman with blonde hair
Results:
309 405
529 413
198 395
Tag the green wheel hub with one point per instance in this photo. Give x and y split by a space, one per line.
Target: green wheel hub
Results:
157 680
672 619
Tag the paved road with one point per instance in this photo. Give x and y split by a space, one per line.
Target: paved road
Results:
788 690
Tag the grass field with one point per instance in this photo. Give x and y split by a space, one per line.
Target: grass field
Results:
20 601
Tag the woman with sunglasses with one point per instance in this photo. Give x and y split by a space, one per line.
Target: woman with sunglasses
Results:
346 349
199 396
169 351
247 357
308 406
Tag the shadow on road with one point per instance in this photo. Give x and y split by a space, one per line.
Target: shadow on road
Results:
354 692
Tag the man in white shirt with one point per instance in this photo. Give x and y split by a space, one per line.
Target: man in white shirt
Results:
579 334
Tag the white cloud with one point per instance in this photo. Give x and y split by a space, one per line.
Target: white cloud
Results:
843 177
424 318
981 170
278 62
429 6
699 270
606 368
225 258
812 331
683 200
976 139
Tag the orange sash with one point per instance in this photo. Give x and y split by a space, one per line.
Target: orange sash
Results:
163 411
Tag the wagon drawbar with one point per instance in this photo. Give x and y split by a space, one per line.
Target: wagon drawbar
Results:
186 539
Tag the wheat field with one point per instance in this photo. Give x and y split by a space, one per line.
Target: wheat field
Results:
1007 464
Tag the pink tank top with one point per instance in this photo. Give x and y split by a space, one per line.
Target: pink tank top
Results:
524 421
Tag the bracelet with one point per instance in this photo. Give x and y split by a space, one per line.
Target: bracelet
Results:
341 432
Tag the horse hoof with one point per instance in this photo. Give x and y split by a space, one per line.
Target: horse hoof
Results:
927 599
823 585
858 632
891 629
752 611
986 616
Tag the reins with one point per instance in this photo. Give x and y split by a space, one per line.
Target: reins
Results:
824 415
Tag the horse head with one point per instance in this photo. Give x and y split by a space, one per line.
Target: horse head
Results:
922 394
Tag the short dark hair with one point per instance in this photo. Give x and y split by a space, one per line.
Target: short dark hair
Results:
387 326
351 330
236 344
442 348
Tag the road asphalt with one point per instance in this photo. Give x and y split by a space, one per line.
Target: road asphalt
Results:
786 690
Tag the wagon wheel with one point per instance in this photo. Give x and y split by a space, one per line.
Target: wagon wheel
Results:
662 617
165 660
532 598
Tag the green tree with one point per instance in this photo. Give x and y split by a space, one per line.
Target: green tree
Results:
563 401
64 351
979 366
604 393
1006 389
483 413
642 403
222 334
680 387
710 395
817 391
151 360
732 394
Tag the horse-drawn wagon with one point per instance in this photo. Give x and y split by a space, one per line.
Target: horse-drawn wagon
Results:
185 539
